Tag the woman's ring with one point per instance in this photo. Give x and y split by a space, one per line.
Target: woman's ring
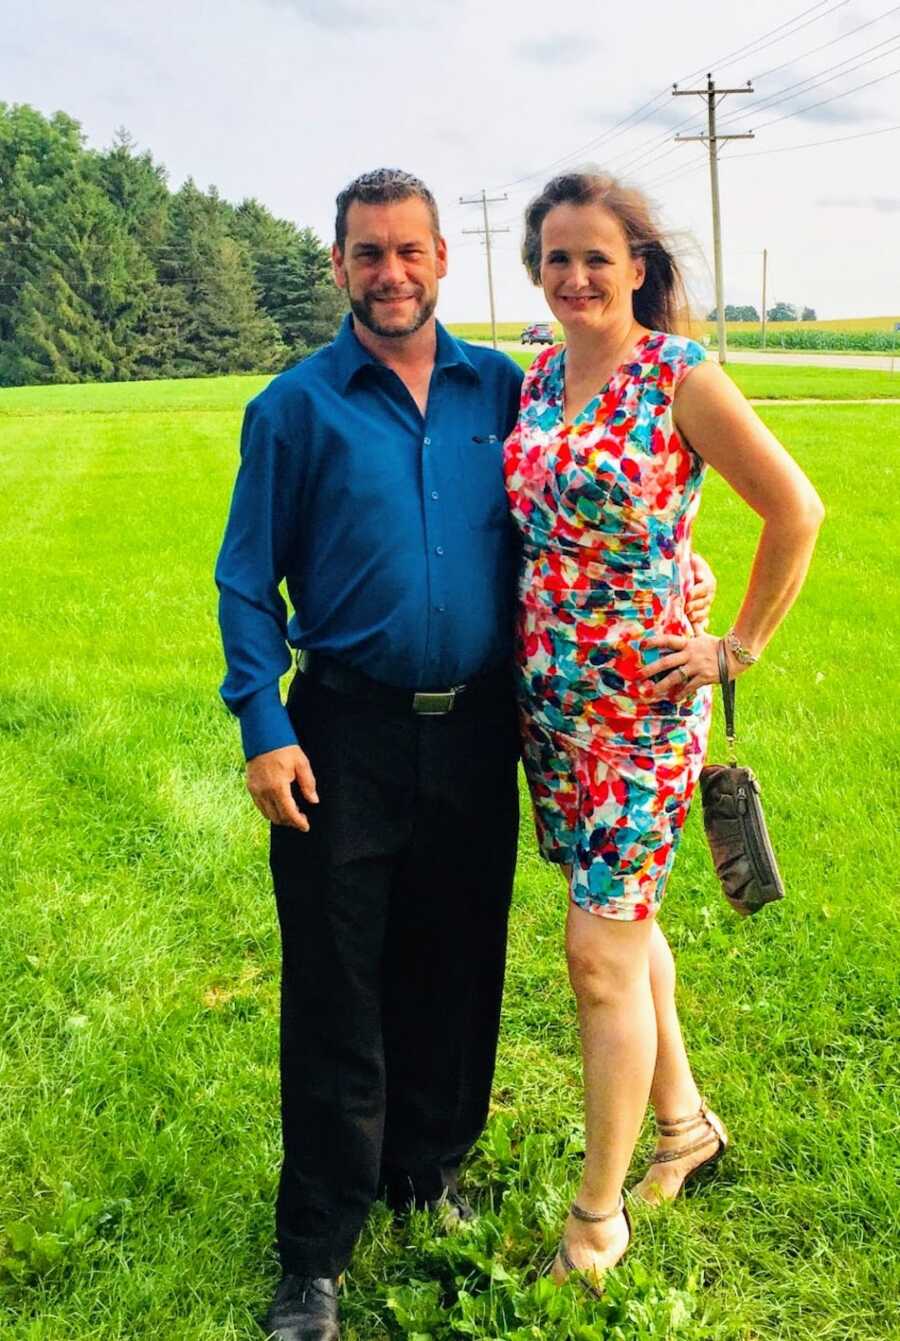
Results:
684 674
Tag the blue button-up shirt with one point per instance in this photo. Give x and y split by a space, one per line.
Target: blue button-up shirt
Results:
391 530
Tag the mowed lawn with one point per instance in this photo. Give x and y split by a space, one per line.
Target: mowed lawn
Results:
139 956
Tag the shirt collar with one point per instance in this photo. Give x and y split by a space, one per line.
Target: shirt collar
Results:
351 356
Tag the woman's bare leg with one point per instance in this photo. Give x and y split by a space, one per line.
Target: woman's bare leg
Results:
674 1092
610 975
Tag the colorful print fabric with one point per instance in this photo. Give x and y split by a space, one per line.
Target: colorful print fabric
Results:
605 506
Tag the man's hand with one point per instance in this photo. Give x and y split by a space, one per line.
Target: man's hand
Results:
702 594
269 778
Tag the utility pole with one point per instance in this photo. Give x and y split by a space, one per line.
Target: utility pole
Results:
765 265
711 93
484 200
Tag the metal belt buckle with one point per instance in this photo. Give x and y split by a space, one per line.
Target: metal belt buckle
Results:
434 705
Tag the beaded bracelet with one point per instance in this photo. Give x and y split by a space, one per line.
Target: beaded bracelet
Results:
738 650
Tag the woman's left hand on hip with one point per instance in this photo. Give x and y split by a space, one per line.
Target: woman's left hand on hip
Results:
691 663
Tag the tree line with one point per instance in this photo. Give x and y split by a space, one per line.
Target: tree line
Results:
108 275
780 312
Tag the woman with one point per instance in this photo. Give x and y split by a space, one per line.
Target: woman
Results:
603 471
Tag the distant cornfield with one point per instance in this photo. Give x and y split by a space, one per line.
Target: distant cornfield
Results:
791 336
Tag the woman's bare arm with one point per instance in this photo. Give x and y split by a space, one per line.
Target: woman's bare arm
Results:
713 416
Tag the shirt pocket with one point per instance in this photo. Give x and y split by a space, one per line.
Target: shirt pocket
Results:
480 464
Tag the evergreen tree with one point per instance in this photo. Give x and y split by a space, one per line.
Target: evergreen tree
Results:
67 271
319 316
237 336
209 305
105 274
293 272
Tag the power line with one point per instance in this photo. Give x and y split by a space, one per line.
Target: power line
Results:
591 144
760 43
648 107
672 176
669 177
800 110
743 50
835 71
814 144
767 98
818 79
765 45
652 152
643 162
648 147
768 101
823 76
842 37
671 149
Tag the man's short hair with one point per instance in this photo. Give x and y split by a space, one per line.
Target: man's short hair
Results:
380 188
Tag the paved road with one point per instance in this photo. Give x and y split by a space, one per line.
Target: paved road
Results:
872 362
816 400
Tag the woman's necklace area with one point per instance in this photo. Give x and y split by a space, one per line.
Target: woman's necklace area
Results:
578 392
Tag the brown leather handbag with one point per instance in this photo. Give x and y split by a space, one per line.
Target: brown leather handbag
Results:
734 822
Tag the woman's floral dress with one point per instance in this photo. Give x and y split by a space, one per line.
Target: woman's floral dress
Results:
605 507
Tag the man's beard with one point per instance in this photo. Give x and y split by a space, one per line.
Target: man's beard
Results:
363 310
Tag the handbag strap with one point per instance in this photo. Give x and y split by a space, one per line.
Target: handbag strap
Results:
728 701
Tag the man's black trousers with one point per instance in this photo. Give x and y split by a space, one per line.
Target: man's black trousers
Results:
393 913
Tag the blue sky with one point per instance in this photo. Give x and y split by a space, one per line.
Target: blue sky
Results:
286 100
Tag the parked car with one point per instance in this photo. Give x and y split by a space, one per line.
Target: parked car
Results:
538 333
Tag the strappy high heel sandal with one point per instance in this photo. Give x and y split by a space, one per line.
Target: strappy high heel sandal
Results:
713 1130
592 1217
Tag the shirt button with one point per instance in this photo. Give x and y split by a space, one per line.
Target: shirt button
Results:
439 549
427 442
435 495
440 609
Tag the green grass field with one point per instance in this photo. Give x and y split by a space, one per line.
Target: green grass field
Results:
139 961
190 395
774 381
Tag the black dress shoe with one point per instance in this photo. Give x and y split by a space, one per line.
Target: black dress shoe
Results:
452 1210
304 1309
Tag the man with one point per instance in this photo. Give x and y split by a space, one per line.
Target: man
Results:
371 481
